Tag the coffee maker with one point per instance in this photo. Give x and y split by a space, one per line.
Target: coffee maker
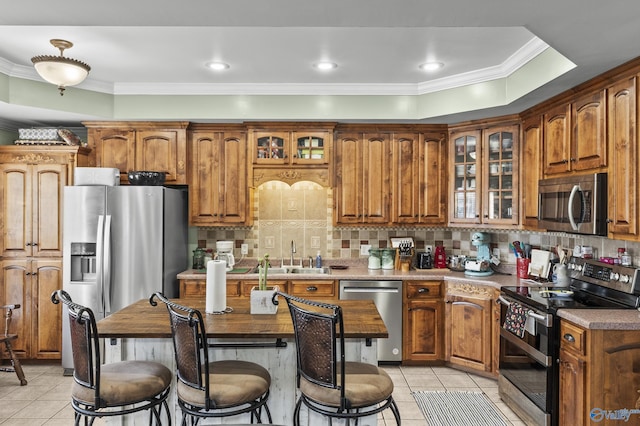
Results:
224 250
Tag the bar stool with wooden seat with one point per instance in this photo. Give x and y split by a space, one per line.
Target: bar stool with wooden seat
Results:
7 338
114 389
328 384
212 389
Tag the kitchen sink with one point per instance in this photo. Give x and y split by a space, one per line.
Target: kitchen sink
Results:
295 270
299 270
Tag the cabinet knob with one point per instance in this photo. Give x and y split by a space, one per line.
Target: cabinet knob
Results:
312 288
573 160
34 244
569 338
423 290
28 244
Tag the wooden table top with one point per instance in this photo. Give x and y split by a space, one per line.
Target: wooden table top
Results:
141 320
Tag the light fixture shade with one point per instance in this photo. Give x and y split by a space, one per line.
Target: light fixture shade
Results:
60 70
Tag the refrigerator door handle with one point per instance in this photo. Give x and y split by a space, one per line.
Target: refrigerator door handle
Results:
107 266
100 260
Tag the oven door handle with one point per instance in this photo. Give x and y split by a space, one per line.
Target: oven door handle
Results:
533 353
504 301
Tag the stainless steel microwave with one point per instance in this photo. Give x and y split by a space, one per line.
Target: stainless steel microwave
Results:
576 204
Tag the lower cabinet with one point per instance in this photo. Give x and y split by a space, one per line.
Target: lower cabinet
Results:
197 288
423 322
469 321
38 322
599 375
308 289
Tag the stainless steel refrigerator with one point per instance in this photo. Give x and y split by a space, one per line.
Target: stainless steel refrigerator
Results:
121 244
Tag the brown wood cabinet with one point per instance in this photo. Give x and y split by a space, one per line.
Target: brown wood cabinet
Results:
623 154
32 179
290 152
484 174
575 136
218 187
573 385
157 146
598 374
530 169
419 178
423 322
469 327
363 183
314 289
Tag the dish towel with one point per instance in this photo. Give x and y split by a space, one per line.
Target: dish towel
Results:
515 319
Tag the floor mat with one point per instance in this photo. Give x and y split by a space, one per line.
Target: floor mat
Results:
455 408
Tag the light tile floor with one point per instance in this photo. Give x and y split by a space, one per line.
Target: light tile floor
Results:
45 400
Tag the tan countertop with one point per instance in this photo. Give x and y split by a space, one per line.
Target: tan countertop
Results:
604 319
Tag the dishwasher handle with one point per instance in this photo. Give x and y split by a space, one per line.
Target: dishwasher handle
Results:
371 290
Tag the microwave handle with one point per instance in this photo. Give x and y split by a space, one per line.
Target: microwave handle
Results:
572 196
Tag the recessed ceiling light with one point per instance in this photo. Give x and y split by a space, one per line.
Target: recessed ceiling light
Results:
324 66
431 66
217 66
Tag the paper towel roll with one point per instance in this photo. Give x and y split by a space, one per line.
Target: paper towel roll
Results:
216 298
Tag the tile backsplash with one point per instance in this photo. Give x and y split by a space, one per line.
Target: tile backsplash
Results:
302 213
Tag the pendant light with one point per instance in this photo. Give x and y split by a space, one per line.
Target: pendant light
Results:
60 70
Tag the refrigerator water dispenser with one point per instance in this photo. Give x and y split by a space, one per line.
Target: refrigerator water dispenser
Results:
83 261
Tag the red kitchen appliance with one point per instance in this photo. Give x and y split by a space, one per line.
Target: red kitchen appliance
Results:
440 260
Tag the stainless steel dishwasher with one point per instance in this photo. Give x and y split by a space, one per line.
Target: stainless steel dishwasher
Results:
387 295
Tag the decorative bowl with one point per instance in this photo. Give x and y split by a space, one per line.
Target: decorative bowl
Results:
146 178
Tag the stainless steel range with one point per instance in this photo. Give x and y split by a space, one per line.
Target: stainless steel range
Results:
529 371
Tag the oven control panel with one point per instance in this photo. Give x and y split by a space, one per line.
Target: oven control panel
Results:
621 278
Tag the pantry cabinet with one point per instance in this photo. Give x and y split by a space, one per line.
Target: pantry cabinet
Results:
423 322
484 170
575 136
218 187
363 184
419 178
127 146
623 154
469 323
32 180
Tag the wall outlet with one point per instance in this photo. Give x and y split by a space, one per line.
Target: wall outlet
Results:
364 249
244 249
428 248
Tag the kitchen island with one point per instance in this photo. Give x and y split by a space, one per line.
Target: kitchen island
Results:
141 331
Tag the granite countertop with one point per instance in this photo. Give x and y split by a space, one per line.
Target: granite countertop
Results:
603 319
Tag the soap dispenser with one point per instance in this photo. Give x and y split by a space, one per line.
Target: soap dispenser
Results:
318 260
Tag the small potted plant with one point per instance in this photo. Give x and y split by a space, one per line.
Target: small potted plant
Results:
262 296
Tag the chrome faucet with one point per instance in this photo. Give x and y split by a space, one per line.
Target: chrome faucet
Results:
293 250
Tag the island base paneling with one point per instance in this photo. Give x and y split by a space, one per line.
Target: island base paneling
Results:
280 362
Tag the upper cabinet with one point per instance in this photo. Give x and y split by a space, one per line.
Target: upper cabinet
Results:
575 135
218 190
484 175
156 146
623 153
290 152
419 178
530 169
362 172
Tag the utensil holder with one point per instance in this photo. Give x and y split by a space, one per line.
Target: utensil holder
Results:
522 267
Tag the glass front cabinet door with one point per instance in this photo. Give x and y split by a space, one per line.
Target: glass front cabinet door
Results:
500 175
466 162
299 146
485 176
